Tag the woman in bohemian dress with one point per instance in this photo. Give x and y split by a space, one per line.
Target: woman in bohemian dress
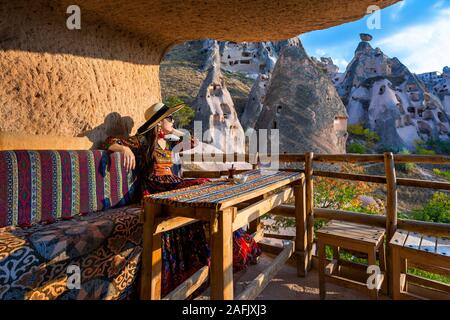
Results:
149 152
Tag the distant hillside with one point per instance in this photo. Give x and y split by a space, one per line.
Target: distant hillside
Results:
181 76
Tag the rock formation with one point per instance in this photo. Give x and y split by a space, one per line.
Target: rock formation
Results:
383 95
442 90
303 104
214 109
65 82
268 54
255 102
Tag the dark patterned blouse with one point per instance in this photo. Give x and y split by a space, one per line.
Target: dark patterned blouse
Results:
156 171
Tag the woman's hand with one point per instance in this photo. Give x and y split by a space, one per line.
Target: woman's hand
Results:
129 161
194 142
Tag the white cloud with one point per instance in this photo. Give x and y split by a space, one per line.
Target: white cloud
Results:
334 54
396 9
439 4
320 52
421 47
341 63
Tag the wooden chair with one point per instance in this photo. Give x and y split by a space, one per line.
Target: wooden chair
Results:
427 252
351 236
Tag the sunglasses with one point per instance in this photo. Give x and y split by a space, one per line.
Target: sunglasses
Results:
170 119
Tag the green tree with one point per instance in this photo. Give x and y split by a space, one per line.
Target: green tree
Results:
184 116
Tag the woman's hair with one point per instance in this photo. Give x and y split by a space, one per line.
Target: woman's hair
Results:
151 137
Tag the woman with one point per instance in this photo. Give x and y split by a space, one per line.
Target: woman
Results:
184 250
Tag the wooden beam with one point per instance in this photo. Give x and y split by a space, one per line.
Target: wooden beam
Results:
309 203
221 239
391 213
256 286
188 286
428 228
416 158
258 209
170 223
301 228
362 218
285 210
353 177
150 285
445 288
423 184
352 158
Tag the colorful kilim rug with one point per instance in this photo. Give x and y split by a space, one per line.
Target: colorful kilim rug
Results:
214 193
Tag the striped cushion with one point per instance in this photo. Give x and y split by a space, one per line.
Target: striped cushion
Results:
42 186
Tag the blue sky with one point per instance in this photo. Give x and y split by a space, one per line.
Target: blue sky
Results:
415 31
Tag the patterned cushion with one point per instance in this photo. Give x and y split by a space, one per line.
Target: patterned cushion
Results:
42 186
36 263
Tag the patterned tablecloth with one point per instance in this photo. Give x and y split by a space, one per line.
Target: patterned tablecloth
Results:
217 192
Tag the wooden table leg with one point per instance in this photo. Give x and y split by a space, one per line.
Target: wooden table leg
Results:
150 283
372 261
221 269
382 257
301 239
322 260
396 268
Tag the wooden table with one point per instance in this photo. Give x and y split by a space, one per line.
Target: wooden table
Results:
215 202
427 251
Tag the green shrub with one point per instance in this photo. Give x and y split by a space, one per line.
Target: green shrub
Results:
439 146
184 116
355 129
406 167
422 147
357 148
444 174
436 210
359 131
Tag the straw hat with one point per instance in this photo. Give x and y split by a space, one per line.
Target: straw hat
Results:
157 112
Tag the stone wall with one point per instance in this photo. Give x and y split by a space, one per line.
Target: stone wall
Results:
91 82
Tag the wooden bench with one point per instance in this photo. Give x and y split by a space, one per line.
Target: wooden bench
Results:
427 252
350 236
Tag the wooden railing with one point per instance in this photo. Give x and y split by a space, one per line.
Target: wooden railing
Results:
390 221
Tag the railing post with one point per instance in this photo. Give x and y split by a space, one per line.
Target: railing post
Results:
301 231
391 212
309 204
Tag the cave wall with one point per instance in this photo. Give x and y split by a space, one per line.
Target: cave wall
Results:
92 82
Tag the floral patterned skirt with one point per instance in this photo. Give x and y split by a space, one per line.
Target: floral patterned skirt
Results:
185 250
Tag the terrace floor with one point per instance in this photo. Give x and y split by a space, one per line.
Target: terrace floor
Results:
286 285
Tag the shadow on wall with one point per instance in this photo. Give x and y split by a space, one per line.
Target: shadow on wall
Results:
113 125
40 26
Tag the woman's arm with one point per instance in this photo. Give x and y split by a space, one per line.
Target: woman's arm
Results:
122 145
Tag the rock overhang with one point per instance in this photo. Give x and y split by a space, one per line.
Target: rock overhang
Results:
170 22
